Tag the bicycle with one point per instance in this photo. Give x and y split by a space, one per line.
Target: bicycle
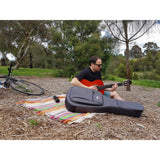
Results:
22 86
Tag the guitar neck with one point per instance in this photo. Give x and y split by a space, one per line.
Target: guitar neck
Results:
108 86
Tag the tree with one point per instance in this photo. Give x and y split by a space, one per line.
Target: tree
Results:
136 52
32 31
36 57
6 40
151 47
127 31
151 52
157 63
74 42
16 37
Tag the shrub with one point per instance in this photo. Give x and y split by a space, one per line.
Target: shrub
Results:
58 73
151 76
121 70
135 76
158 66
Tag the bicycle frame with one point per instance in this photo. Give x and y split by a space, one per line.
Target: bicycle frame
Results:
7 77
22 86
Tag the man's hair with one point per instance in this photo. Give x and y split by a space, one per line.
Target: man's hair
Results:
93 59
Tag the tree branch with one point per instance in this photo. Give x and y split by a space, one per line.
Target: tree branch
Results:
113 33
138 31
144 32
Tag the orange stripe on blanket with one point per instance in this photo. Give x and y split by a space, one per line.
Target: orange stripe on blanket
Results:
75 117
38 101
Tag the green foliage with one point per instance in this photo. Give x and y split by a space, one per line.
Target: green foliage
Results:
157 63
37 58
158 104
141 82
84 50
117 67
121 70
136 52
151 47
151 76
139 65
74 42
33 122
39 72
113 78
135 76
140 68
60 73
3 70
151 60
17 36
148 67
113 63
99 126
69 70
70 45
147 83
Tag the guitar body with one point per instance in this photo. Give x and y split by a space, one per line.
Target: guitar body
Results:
101 86
93 83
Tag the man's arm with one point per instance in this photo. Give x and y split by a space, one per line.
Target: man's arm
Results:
76 82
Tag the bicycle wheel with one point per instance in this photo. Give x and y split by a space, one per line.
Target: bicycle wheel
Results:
25 87
4 82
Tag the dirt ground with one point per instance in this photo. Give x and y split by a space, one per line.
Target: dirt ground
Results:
15 119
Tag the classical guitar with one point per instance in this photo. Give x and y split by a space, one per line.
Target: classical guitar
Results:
100 85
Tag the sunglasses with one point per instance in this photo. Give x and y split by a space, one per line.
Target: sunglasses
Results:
99 65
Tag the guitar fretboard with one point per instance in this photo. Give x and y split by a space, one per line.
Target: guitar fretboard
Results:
108 86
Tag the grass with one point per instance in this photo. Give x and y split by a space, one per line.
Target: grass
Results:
158 104
147 83
33 122
141 82
99 126
57 73
30 72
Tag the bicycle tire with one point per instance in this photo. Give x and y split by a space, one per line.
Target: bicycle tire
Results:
3 76
26 87
5 81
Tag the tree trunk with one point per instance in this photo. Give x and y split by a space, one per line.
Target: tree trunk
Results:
127 52
21 54
21 59
30 60
3 61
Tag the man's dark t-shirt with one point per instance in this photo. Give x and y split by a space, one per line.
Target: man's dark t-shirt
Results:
89 75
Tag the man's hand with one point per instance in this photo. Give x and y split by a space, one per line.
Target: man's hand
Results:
114 87
93 87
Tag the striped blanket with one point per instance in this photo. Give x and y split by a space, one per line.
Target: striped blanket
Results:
57 111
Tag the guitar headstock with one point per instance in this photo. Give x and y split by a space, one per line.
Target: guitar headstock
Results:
127 82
